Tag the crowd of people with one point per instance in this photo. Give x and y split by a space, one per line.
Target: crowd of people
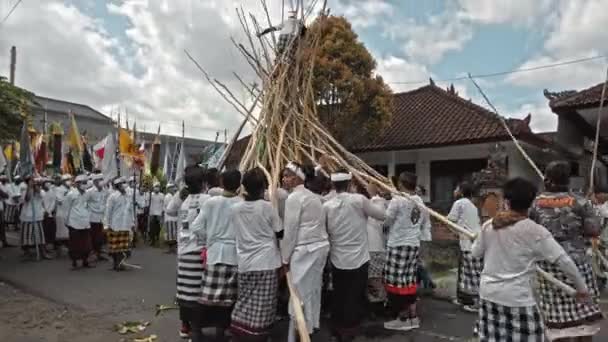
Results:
84 215
345 248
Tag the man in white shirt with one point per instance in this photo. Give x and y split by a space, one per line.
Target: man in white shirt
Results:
511 245
157 200
62 188
376 237
142 202
98 196
78 221
465 214
406 218
32 234
346 215
49 200
291 31
119 221
171 228
219 281
11 204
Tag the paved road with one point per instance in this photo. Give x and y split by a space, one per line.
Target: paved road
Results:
132 295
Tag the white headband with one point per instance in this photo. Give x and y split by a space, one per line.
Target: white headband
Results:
297 170
341 177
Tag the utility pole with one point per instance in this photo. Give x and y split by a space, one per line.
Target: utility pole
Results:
13 64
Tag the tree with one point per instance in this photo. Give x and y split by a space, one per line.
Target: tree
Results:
346 89
14 103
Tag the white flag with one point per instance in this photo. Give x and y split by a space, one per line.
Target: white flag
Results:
108 163
180 169
166 162
3 162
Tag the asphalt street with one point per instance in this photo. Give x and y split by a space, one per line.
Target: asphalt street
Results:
133 295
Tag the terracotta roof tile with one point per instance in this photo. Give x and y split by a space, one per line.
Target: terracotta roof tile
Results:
589 97
430 116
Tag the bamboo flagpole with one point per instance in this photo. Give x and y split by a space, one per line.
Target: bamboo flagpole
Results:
597 136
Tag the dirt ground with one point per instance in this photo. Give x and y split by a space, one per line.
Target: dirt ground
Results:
27 318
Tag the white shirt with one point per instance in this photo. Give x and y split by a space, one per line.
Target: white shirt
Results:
216 220
216 191
255 224
406 220
510 255
22 191
465 214
97 203
169 217
13 192
119 212
79 216
346 216
32 210
157 202
191 235
60 193
375 236
49 199
142 201
304 222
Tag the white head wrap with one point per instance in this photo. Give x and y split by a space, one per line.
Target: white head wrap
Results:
341 177
296 169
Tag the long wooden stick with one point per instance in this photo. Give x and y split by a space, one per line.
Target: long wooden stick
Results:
597 136
297 303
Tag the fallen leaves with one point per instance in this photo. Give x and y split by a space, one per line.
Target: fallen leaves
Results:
131 327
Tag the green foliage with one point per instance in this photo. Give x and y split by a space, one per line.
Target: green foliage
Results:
348 92
13 107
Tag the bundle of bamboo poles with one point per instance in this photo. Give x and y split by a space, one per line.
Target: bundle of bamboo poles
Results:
284 111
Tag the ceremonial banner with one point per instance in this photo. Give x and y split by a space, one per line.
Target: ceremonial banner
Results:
108 165
75 144
26 161
3 162
180 169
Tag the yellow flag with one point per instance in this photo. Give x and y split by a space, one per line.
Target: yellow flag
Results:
74 138
75 142
125 142
9 153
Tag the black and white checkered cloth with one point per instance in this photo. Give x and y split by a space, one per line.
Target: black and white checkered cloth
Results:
376 264
189 276
170 231
401 266
32 234
287 47
11 214
256 306
561 310
219 285
498 323
469 273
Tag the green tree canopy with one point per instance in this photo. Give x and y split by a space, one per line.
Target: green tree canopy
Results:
14 104
348 92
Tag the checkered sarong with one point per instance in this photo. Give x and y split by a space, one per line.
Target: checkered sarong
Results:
170 231
499 323
561 310
400 270
189 276
32 234
376 264
11 214
287 48
469 274
119 241
255 309
219 285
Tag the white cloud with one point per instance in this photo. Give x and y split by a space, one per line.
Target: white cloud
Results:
363 14
428 42
574 31
500 12
395 70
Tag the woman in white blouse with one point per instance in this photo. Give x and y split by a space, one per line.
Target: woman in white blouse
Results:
256 224
305 245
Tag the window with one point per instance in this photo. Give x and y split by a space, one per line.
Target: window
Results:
445 176
411 168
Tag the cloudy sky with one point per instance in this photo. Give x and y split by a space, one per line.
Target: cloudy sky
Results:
128 55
